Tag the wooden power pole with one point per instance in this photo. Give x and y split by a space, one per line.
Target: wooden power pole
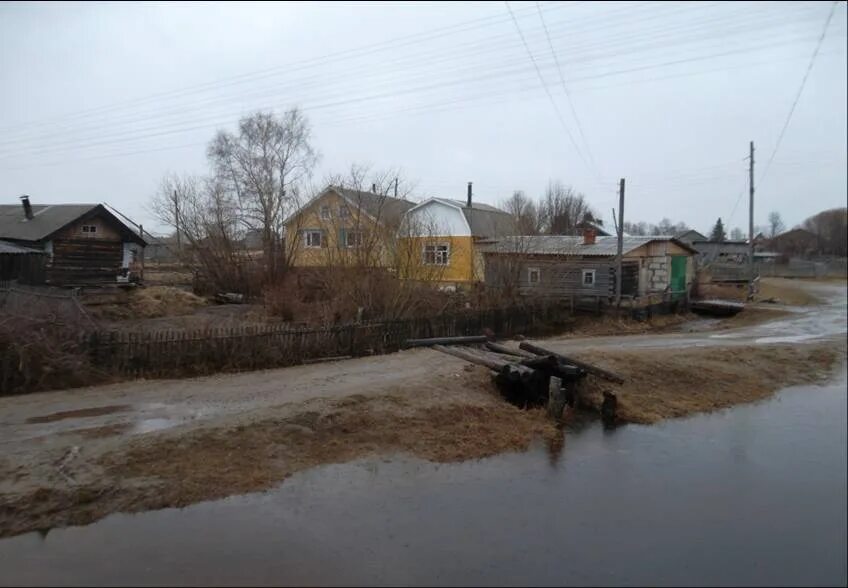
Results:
751 215
620 231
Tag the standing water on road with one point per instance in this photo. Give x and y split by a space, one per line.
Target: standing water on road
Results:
754 495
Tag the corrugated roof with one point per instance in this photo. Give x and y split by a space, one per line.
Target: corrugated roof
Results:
49 218
46 219
568 245
384 208
13 248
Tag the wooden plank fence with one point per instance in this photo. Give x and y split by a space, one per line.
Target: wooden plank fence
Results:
182 353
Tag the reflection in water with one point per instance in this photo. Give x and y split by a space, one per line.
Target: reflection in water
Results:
753 495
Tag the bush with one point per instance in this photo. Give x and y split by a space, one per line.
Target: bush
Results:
40 355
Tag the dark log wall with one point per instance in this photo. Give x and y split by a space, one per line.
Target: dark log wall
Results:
85 261
557 276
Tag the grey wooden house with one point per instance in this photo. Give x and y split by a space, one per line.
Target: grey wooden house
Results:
82 243
553 265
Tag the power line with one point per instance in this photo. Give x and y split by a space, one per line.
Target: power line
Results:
193 109
545 87
800 91
565 89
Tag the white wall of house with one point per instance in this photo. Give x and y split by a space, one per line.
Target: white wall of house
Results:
437 219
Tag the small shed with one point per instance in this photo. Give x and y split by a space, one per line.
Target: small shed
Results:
554 265
22 264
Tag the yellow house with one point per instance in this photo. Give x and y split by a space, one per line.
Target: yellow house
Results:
444 235
343 226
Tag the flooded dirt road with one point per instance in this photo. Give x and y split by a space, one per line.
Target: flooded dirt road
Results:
755 495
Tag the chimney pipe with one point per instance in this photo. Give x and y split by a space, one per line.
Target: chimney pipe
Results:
373 188
588 236
469 195
27 206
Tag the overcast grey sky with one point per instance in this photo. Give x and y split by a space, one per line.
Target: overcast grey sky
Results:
98 101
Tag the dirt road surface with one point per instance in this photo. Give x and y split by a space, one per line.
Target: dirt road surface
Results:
73 456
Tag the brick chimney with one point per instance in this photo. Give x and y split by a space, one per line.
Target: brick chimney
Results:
27 206
469 195
588 236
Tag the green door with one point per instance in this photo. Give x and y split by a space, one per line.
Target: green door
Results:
678 276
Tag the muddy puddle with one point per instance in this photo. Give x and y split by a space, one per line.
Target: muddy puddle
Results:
755 495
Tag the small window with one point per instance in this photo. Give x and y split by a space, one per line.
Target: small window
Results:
588 277
344 212
436 255
89 230
350 238
325 213
533 275
313 238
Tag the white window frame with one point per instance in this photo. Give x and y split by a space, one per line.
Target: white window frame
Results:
326 213
440 253
346 240
586 274
534 271
89 230
344 211
309 238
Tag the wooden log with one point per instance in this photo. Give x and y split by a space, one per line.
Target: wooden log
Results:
445 341
498 348
589 368
491 362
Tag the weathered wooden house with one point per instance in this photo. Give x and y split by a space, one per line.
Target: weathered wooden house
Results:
555 265
82 243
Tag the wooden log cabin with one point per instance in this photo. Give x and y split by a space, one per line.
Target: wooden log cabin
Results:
558 265
83 244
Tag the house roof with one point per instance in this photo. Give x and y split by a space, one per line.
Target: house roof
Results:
13 248
48 219
484 220
604 246
382 208
691 235
600 230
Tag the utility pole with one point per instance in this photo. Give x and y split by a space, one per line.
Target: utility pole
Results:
751 215
177 220
620 230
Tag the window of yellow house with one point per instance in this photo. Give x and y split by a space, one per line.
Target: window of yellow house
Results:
436 254
325 213
349 238
313 238
344 211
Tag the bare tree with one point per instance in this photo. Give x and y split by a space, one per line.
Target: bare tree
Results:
831 229
524 212
737 234
775 224
262 167
562 209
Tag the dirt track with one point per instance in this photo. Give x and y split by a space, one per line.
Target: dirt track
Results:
73 456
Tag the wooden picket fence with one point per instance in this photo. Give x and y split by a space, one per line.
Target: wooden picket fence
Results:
181 353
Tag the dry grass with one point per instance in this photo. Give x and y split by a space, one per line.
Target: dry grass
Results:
678 382
592 326
148 303
786 291
178 470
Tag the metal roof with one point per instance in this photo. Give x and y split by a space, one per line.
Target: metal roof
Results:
484 220
49 218
568 245
13 248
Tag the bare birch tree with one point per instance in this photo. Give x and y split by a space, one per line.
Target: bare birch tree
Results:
263 166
